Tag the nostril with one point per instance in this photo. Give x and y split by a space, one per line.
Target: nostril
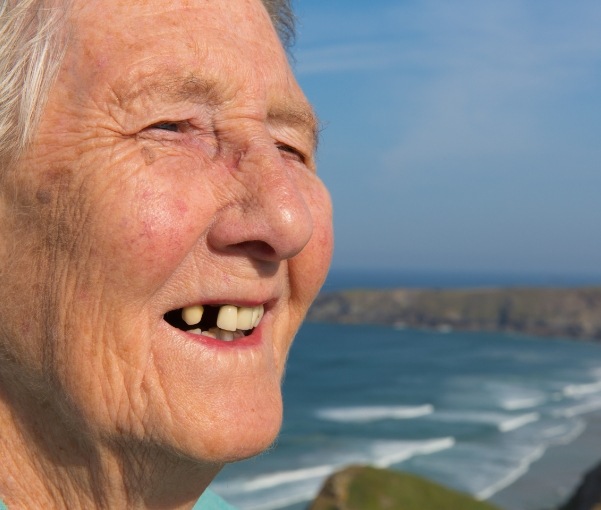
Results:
258 250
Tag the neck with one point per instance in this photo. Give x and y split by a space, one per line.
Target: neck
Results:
49 463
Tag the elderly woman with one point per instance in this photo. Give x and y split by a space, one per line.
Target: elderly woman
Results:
162 234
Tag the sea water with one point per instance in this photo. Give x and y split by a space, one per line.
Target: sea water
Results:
470 410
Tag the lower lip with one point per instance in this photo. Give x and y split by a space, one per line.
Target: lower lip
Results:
252 340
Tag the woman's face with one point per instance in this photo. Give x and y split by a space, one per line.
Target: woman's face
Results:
173 167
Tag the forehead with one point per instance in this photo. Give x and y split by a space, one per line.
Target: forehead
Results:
229 48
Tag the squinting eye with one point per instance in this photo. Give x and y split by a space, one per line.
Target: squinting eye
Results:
291 152
166 126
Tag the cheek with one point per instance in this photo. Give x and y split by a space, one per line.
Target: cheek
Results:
309 268
153 229
322 240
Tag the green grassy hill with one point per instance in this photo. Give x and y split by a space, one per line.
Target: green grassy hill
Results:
368 488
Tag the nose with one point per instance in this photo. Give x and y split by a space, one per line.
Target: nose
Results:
265 215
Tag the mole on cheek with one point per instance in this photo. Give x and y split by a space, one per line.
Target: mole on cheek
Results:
43 196
148 155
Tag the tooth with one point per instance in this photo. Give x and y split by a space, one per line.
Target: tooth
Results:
228 317
227 336
245 318
213 332
195 331
192 314
260 312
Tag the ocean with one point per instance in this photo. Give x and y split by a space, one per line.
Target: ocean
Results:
472 411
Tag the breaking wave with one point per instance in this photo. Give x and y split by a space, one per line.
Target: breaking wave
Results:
366 414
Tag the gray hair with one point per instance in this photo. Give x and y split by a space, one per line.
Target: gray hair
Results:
30 55
32 46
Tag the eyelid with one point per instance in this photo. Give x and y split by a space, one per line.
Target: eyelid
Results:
164 126
302 157
179 125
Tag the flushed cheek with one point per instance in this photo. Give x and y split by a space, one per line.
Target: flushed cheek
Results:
309 268
151 235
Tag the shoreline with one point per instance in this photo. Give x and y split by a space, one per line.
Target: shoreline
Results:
552 479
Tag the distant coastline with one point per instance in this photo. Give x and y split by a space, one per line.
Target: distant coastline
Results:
542 311
378 278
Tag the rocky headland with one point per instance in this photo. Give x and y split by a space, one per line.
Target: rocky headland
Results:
569 313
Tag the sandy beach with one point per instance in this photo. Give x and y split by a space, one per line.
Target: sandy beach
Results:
554 477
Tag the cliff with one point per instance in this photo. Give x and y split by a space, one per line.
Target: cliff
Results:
368 488
573 313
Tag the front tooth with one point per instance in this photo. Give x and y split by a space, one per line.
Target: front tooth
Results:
192 314
260 312
245 318
228 317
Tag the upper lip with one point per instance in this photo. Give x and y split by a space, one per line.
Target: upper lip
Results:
267 301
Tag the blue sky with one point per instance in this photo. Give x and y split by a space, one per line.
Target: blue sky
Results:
459 136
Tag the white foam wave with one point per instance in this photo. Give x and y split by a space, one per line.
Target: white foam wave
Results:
579 390
366 414
485 417
518 422
410 449
571 435
579 409
289 483
521 469
515 404
282 477
503 421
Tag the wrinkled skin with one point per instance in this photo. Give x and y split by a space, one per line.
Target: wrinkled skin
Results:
174 165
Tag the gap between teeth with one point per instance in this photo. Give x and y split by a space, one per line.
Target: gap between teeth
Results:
230 318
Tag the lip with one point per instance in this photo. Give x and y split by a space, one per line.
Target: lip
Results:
253 340
268 302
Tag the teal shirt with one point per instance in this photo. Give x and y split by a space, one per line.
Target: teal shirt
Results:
208 501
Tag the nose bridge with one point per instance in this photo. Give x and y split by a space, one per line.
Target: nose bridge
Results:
271 218
279 200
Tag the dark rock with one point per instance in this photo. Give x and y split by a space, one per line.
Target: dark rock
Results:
588 493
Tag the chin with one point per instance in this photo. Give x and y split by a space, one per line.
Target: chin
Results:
236 434
233 419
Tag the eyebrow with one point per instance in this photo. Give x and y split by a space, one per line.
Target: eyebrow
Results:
297 114
174 89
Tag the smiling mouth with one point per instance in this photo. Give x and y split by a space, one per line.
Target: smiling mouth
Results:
223 322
